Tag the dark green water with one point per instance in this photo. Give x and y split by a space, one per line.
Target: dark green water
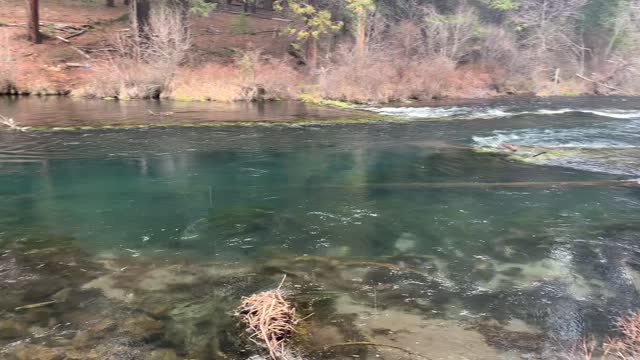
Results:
392 218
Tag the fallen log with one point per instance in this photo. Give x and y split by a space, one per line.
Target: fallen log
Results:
13 24
81 52
90 50
76 65
34 306
76 34
600 83
256 15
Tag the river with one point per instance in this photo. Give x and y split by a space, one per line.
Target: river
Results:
421 229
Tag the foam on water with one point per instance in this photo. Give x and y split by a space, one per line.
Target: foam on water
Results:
482 112
613 135
610 147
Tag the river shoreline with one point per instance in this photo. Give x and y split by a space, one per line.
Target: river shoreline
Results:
71 113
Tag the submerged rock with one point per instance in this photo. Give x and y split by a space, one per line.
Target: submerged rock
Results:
501 338
142 327
406 242
622 161
10 330
162 354
37 352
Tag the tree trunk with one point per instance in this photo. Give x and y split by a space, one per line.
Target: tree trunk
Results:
311 53
268 5
111 3
33 24
183 7
361 35
250 6
125 2
139 16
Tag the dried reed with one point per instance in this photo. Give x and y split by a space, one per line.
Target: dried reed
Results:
270 319
626 346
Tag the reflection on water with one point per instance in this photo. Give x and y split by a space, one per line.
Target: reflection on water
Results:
147 239
72 112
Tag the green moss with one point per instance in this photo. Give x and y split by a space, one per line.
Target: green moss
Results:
189 99
571 93
120 19
241 26
224 52
311 99
356 120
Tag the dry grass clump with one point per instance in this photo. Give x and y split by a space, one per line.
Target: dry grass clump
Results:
125 79
251 79
270 319
627 345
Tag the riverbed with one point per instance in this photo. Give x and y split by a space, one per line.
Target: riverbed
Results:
413 226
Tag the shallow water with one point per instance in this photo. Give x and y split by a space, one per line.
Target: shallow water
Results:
480 255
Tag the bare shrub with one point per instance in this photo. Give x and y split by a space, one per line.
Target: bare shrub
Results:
548 37
145 64
450 36
7 65
384 78
500 48
405 38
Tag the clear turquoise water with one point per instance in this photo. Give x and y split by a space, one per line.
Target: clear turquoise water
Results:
562 258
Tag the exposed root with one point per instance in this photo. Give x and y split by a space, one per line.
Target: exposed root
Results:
270 319
365 343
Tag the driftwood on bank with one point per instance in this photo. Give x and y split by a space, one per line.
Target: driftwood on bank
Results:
600 83
90 49
86 56
76 65
11 124
65 31
76 34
